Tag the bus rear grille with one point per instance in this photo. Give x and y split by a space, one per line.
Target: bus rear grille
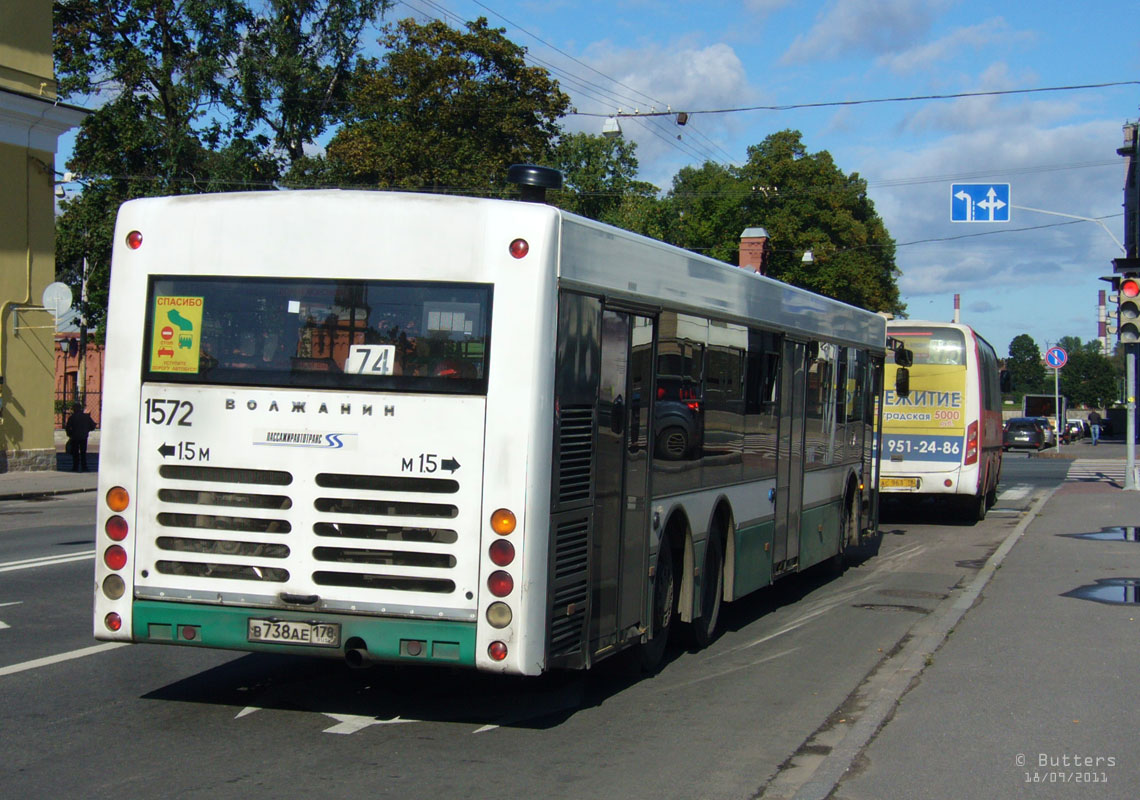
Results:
401 538
575 453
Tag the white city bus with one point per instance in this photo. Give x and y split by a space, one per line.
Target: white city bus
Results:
944 438
412 428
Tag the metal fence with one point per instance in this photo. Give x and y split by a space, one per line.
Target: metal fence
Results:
64 401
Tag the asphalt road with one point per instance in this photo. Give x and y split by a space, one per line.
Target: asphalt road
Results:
83 719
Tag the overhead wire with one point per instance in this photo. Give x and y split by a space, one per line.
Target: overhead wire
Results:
839 103
581 86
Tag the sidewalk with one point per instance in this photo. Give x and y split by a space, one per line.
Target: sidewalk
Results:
61 480
1032 694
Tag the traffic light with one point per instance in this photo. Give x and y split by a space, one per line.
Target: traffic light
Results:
1128 312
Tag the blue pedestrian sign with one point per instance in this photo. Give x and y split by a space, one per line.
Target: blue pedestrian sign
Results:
979 202
1056 357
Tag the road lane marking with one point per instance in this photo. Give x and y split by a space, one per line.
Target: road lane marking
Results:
56 659
729 670
1018 492
351 723
5 605
45 561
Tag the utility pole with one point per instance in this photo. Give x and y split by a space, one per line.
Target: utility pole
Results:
1130 264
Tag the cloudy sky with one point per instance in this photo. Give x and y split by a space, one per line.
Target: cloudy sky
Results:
1036 274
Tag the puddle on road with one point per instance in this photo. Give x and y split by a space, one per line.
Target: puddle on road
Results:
1126 533
1112 591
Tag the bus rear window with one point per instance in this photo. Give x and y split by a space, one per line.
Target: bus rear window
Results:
347 334
945 346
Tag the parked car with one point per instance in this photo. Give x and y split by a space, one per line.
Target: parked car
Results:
1023 433
1076 429
1047 429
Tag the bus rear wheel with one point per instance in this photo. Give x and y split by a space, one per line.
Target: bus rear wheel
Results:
974 508
702 629
652 653
847 532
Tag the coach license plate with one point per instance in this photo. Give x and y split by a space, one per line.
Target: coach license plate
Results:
311 634
898 483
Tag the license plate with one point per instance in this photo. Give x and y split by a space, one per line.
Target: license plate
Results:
310 634
898 483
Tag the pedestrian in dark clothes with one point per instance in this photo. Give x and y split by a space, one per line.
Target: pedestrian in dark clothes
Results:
78 426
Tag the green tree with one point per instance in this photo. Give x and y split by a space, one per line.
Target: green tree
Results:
293 71
706 211
188 90
1088 377
159 68
446 110
1026 372
599 176
807 203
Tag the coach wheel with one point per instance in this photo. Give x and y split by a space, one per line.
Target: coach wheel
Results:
975 508
838 561
702 629
664 592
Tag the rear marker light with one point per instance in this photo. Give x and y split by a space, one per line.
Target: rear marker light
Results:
118 499
134 240
500 583
499 615
497 651
113 621
116 528
503 522
113 587
502 552
115 557
519 248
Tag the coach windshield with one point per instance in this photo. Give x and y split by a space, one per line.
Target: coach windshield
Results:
345 334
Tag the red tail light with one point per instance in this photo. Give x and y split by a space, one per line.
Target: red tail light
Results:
502 552
500 583
971 444
115 557
116 528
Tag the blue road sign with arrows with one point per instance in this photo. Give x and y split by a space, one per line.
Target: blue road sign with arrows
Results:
979 202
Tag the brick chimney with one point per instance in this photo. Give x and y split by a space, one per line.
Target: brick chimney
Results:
753 250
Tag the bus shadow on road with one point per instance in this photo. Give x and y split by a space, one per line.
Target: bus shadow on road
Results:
395 694
925 511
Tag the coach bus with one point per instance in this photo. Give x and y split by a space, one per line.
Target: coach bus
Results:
410 428
943 440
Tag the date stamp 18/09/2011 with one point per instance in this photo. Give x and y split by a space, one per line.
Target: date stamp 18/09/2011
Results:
1065 768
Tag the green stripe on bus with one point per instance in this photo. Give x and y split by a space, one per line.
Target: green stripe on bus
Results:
752 565
819 532
387 639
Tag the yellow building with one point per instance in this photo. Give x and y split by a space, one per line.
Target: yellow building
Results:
31 121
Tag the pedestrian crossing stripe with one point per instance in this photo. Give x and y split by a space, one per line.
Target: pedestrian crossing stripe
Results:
1091 470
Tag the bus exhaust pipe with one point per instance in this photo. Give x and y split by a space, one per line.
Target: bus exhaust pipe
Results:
356 655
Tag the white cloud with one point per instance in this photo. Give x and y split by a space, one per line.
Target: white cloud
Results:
849 27
995 258
679 76
955 46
